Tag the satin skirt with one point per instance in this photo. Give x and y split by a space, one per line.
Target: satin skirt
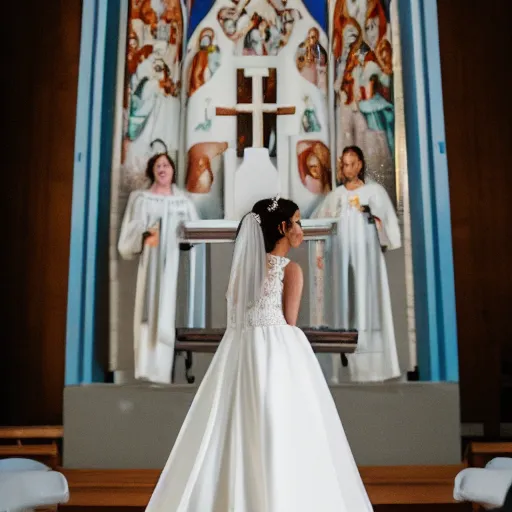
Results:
262 435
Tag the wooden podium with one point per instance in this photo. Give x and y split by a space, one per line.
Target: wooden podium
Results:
328 341
323 340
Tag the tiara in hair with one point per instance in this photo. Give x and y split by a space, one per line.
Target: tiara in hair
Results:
257 217
274 205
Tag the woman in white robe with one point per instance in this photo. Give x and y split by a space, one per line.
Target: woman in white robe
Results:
367 222
150 231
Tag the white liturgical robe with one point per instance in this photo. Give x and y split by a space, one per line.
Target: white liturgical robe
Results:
155 300
361 268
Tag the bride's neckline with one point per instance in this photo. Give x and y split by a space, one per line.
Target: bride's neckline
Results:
275 257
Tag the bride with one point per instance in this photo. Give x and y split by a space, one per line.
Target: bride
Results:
263 433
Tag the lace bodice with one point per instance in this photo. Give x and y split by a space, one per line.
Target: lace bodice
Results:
268 309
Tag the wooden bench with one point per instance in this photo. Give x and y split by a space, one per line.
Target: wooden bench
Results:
327 341
39 443
478 453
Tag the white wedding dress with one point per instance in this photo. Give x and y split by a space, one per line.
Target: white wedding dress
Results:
263 433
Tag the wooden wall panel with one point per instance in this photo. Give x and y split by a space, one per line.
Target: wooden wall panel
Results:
475 42
41 113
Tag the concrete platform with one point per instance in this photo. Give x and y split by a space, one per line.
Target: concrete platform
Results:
108 426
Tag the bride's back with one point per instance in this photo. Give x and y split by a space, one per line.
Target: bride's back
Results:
268 309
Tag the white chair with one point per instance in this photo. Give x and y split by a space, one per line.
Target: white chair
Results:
17 464
500 463
26 484
486 486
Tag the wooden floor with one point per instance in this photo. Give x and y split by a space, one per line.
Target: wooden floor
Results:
392 485
391 488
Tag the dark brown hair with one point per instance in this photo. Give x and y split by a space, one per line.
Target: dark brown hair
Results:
271 221
360 155
150 168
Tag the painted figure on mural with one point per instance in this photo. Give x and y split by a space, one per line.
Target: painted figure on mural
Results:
311 60
200 176
143 21
205 62
149 232
206 124
287 19
258 27
153 79
310 122
367 225
363 85
136 54
234 23
171 29
158 25
263 38
314 164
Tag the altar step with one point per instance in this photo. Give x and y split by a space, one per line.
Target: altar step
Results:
391 424
386 485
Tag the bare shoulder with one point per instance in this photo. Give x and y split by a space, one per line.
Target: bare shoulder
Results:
293 272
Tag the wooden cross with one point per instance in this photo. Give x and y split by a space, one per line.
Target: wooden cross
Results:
257 108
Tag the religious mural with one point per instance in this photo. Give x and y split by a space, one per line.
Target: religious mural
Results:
206 60
200 176
314 166
243 107
152 82
311 60
206 124
310 122
258 27
363 85
313 156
